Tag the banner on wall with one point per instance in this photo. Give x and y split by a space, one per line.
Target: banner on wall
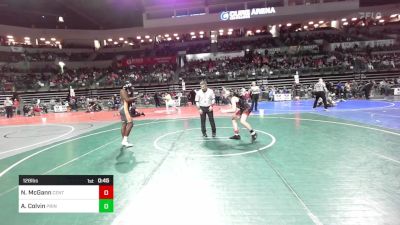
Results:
214 56
17 49
352 44
396 91
147 61
282 97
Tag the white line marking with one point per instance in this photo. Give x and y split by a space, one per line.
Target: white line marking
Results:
387 158
64 164
341 123
346 124
212 139
155 143
42 142
69 140
9 190
314 218
383 115
77 158
50 147
333 110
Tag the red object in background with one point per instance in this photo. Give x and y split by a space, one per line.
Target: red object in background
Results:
109 116
16 103
36 109
106 192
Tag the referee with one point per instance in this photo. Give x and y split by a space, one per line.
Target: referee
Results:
255 95
205 99
319 91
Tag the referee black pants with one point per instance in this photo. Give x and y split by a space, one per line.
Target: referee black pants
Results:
254 101
320 94
210 114
9 111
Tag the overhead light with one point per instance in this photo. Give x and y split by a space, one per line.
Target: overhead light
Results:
221 31
305 27
166 35
280 25
121 38
27 38
201 32
311 23
10 36
393 15
345 23
150 40
378 17
258 31
147 36
192 33
229 33
353 19
321 22
193 37
230 29
169 39
213 36
363 24
11 40
138 37
175 35
60 19
47 42
316 25
42 39
115 43
201 36
53 39
109 39
131 43
141 41
177 38
126 42
289 25
57 42
344 19
381 21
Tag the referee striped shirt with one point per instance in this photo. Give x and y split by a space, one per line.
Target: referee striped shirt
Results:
255 90
320 87
205 99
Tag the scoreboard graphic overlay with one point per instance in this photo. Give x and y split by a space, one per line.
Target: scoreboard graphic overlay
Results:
66 194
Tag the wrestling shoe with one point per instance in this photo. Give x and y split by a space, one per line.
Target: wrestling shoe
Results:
127 144
205 135
235 137
253 137
214 135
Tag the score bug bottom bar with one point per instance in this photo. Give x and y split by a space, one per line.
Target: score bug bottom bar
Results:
59 206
